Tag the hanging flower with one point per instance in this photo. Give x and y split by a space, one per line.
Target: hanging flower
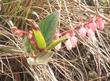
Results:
90 33
91 23
71 43
70 33
100 23
74 41
68 44
82 32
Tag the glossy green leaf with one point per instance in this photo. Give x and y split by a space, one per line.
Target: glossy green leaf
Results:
48 26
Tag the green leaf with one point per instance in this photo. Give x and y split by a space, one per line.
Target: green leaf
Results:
48 26
56 42
28 47
39 39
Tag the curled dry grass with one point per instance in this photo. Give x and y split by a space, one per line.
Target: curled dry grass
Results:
89 61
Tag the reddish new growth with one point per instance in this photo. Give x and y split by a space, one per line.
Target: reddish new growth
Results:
18 32
22 33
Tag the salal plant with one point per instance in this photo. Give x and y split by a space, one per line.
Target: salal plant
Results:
39 41
42 38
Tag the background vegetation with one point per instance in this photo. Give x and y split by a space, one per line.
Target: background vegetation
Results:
89 61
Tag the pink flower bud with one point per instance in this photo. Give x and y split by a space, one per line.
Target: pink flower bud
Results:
74 41
92 25
90 33
68 44
100 23
18 32
68 35
82 32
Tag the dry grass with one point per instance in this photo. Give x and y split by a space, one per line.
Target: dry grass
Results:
89 61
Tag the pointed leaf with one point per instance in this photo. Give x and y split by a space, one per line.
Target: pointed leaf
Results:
56 42
48 26
39 39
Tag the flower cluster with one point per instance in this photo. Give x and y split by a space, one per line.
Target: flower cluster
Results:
85 30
